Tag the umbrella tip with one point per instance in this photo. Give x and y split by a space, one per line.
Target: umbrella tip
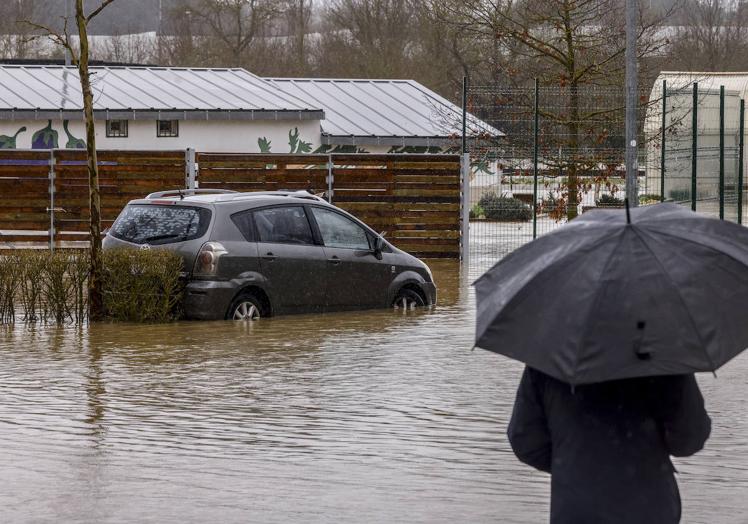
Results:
628 213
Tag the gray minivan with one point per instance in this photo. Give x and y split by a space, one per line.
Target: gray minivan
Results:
251 255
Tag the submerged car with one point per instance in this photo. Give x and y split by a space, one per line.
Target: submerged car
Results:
252 255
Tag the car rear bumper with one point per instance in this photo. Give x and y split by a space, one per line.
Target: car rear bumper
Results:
208 299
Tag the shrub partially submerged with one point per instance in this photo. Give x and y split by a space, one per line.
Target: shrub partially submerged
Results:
142 286
504 209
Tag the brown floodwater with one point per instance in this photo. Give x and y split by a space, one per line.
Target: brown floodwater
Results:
356 417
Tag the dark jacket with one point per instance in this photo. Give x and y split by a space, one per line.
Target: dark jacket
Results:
608 445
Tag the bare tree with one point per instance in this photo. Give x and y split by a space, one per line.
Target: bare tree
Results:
298 14
80 58
712 36
16 37
568 43
232 28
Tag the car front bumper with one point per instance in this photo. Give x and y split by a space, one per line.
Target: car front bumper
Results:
429 288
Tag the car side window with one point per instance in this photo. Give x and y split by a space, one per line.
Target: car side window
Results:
286 224
340 231
243 222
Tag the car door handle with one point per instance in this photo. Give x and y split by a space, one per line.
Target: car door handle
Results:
335 261
269 257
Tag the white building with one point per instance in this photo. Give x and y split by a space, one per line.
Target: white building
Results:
679 132
223 110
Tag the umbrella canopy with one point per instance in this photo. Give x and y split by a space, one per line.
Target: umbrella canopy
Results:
602 299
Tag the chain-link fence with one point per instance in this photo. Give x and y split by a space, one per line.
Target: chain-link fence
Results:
563 152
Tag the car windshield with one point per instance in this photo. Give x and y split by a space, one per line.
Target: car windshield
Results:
157 224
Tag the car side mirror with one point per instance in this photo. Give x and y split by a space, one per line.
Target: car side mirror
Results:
378 247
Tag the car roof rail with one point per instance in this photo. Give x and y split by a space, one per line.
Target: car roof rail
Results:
186 192
278 193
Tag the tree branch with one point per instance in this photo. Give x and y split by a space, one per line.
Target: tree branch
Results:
98 10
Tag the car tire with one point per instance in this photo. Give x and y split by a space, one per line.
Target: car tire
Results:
245 307
407 299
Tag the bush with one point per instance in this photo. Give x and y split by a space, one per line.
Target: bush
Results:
138 285
649 198
477 212
504 209
609 200
142 286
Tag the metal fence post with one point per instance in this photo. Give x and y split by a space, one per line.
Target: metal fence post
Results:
191 169
464 114
330 179
694 142
51 208
535 167
465 211
662 150
721 152
741 143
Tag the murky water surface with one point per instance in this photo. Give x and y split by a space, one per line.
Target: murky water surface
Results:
357 417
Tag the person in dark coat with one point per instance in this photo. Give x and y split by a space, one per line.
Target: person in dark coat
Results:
607 446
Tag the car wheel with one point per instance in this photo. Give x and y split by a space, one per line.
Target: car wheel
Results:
245 307
407 299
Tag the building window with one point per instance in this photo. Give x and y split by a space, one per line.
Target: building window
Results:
116 128
167 128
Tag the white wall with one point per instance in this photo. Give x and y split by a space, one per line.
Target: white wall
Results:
209 136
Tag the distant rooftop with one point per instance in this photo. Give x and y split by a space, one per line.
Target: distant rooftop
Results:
383 112
51 91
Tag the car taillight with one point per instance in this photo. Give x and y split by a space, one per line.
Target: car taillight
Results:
206 263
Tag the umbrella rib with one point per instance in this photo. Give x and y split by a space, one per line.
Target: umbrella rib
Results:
677 293
595 302
692 241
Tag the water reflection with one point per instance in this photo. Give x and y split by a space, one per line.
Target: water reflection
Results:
360 417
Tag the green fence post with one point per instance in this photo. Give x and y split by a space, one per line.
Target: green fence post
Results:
740 160
662 151
535 167
721 152
694 142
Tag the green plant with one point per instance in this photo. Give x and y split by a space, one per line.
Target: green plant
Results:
504 209
609 200
142 286
477 212
9 281
648 198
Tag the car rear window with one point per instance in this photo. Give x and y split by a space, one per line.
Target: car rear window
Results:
157 224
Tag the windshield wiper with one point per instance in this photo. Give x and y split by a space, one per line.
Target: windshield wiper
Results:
163 237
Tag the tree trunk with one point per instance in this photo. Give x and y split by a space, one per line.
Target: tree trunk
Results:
95 294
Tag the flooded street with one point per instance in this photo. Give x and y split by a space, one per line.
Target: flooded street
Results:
356 417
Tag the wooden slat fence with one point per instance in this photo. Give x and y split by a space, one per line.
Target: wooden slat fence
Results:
415 199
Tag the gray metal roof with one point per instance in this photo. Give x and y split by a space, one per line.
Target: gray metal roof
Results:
45 92
382 112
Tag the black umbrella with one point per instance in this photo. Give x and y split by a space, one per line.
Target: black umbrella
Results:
602 298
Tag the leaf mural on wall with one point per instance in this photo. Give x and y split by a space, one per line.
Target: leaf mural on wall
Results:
264 144
344 149
418 150
45 138
9 142
72 143
298 145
